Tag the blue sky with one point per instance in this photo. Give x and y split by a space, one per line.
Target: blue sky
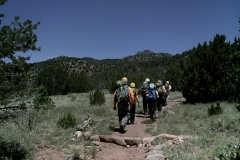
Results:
118 28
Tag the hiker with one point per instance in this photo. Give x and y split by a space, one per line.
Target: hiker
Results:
161 93
151 98
144 89
168 88
133 108
123 100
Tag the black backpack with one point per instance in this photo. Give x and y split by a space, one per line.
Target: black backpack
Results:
167 88
145 87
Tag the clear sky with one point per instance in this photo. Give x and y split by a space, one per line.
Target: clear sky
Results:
118 28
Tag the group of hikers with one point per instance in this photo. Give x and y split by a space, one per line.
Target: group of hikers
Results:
154 96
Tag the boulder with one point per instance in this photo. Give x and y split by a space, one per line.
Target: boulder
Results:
133 140
87 135
155 157
113 139
95 138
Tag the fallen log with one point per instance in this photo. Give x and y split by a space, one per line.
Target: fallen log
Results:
85 124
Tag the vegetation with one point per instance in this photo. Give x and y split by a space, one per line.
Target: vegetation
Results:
46 133
15 78
103 74
58 81
209 137
215 132
206 73
97 97
211 71
67 121
29 94
231 152
214 110
11 150
238 107
16 85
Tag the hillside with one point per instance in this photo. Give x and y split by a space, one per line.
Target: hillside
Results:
88 64
137 67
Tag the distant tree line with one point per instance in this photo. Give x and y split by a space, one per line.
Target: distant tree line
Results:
206 73
57 81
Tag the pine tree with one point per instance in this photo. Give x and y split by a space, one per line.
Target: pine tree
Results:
209 71
14 69
55 80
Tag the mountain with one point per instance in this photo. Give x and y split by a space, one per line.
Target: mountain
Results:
90 65
136 67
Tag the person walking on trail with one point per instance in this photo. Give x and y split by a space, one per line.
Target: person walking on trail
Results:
168 88
133 108
123 100
144 89
151 97
161 93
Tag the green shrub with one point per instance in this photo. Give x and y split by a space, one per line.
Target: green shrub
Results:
42 100
214 110
97 97
91 98
230 152
67 121
12 150
238 107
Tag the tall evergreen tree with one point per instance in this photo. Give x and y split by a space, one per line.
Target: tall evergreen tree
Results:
55 80
79 82
14 69
208 72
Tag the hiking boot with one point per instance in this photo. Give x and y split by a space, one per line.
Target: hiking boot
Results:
121 129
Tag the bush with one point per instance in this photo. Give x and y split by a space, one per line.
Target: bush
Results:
12 150
67 121
97 97
231 152
214 110
41 99
238 107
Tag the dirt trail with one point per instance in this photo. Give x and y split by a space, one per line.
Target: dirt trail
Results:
110 151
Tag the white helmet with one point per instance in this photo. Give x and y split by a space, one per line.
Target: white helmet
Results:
147 80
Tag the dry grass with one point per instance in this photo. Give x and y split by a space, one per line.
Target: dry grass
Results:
212 132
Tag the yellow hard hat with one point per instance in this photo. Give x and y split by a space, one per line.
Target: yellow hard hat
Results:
132 85
124 79
167 82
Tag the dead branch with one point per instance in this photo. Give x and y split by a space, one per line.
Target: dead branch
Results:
85 124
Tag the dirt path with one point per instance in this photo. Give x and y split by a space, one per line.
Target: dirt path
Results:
110 151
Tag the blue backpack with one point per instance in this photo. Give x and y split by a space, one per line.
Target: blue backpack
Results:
151 96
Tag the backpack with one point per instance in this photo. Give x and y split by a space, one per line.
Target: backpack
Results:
167 88
151 96
144 89
122 93
159 88
134 93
